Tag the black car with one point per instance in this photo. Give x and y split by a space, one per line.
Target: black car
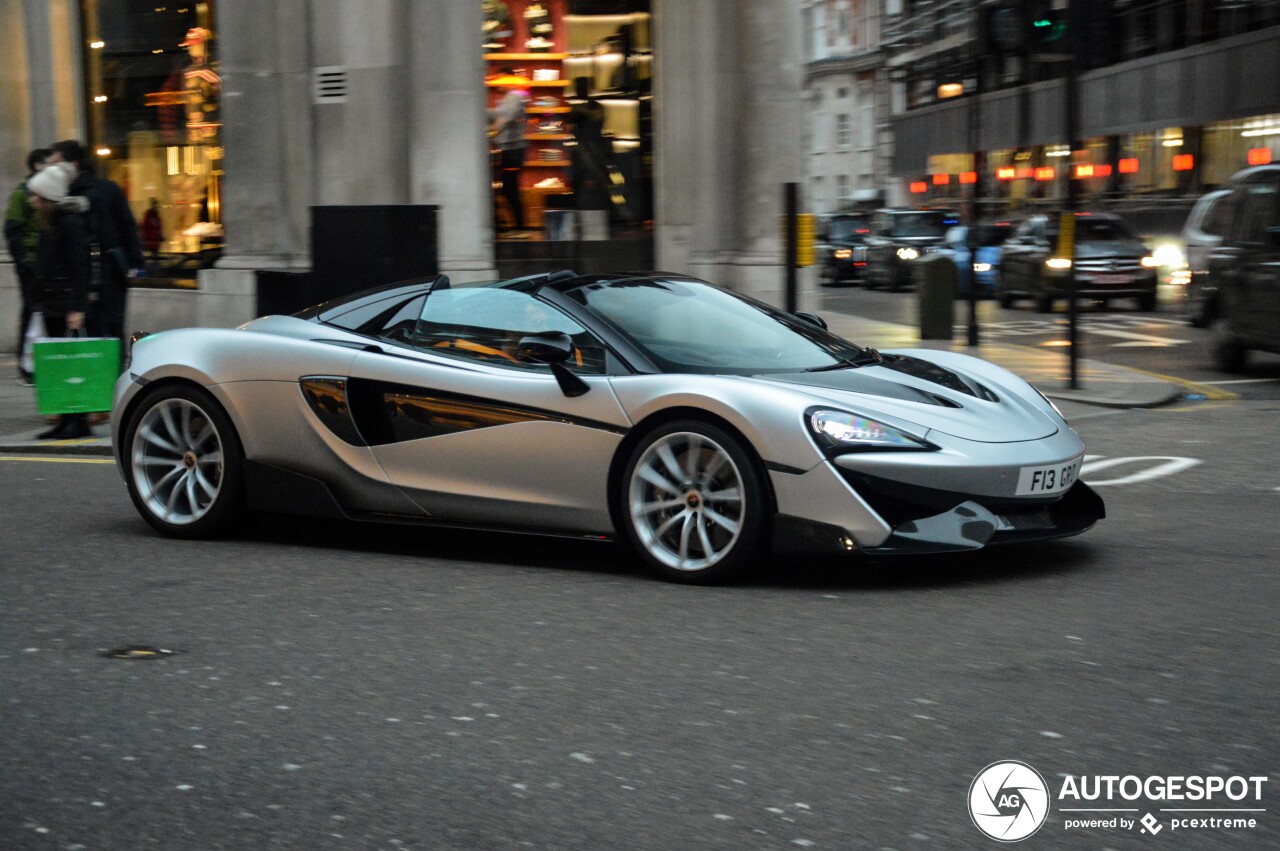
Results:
841 247
898 238
1244 270
1110 262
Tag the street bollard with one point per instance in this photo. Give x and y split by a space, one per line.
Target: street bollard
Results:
935 277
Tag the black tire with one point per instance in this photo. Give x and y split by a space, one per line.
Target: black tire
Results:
1230 355
1147 302
1201 312
190 448
1044 303
1007 300
694 530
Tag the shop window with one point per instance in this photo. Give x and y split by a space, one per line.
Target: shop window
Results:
153 89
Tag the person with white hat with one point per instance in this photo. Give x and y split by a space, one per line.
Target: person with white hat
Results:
62 269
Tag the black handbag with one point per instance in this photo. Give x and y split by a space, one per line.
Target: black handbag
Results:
51 296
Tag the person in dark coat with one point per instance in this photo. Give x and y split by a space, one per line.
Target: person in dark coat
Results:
21 234
113 228
62 271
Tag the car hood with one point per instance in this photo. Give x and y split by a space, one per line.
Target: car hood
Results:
985 405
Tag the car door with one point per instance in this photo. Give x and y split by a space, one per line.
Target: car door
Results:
475 434
1253 299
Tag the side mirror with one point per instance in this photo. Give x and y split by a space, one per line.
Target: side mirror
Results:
811 318
552 347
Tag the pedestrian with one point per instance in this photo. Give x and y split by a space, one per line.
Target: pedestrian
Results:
21 234
113 229
62 270
152 230
591 155
509 123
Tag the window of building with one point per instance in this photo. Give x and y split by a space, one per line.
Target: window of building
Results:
842 187
154 90
843 133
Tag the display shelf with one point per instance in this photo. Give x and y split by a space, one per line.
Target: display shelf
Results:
549 137
541 164
525 57
549 110
560 84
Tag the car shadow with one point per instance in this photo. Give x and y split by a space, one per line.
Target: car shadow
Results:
785 571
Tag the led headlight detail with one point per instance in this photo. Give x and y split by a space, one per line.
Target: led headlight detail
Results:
843 253
982 267
1058 263
1150 262
908 253
841 431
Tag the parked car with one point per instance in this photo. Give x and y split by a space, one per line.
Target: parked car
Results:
841 247
899 237
985 267
1111 261
687 420
1244 271
1206 224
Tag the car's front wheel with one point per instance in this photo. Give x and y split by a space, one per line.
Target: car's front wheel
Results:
694 503
183 463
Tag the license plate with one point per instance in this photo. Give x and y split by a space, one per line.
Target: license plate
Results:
1112 279
1055 478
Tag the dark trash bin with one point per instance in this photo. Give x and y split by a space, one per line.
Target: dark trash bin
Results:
936 277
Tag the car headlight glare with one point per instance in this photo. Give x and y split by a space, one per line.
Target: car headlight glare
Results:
982 267
842 431
1058 262
843 253
1169 254
908 253
1150 262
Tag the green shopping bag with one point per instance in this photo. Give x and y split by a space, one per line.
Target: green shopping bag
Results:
76 374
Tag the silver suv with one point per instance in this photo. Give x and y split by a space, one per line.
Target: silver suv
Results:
1207 222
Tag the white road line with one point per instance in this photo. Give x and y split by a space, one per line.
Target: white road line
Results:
1171 465
1144 339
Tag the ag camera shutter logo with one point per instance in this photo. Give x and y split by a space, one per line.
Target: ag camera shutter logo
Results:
1008 801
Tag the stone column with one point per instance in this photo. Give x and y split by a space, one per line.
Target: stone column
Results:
448 150
729 119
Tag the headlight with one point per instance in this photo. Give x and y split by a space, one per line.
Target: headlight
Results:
845 432
1150 262
1058 262
843 253
982 267
1050 403
1169 255
908 253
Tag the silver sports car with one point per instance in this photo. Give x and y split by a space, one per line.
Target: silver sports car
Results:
692 421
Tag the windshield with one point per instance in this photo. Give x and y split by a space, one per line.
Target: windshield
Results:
847 228
690 326
1098 230
923 223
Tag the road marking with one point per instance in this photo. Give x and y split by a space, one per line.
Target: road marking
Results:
1172 464
1143 339
57 460
1210 393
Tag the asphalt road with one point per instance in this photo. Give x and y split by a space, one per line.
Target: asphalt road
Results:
1118 333
390 688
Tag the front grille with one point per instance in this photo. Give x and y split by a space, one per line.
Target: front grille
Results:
1109 265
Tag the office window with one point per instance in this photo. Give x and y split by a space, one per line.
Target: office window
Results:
843 134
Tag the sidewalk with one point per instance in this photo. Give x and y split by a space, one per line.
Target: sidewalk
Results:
1102 384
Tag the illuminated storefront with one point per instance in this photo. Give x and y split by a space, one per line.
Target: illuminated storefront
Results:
154 91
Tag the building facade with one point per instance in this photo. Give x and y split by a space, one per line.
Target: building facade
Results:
1174 97
240 116
847 132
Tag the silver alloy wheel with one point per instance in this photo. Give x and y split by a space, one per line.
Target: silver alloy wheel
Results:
176 460
686 500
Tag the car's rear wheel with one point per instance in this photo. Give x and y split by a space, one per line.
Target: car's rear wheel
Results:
183 462
1147 302
1007 300
1200 311
1044 303
694 503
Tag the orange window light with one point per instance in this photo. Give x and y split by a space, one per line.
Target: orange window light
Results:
1183 162
1045 173
1129 165
1084 170
968 177
941 179
1103 170
1006 173
1259 156
919 186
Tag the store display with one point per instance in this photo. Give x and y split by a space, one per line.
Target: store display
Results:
497 24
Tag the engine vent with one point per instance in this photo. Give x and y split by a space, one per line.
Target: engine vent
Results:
329 84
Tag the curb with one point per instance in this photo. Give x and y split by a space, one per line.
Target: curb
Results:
55 447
